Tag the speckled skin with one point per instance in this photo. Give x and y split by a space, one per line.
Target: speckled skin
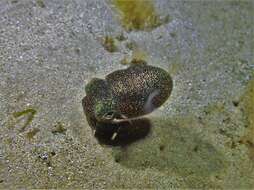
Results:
131 92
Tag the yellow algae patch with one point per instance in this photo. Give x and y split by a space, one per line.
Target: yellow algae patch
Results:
109 44
248 107
124 61
138 14
138 56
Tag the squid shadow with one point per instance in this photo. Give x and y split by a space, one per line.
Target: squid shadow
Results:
125 132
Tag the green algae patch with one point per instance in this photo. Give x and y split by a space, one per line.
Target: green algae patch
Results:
248 108
120 37
40 3
138 15
249 104
59 129
30 134
30 113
